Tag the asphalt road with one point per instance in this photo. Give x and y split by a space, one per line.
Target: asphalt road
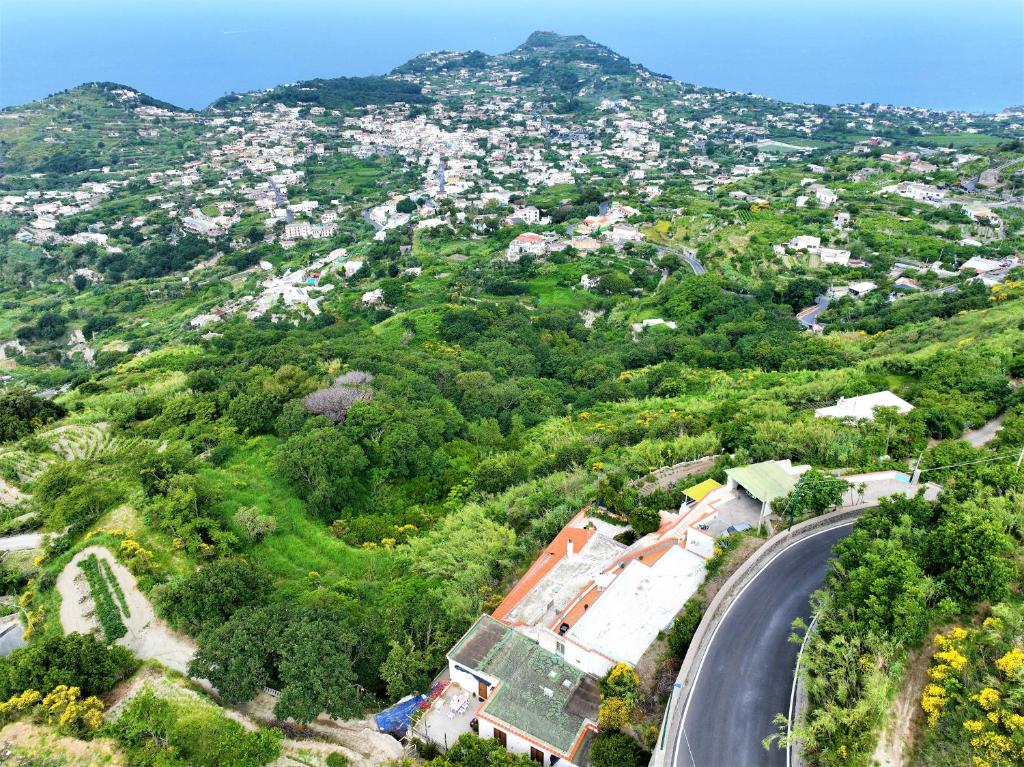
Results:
689 258
746 677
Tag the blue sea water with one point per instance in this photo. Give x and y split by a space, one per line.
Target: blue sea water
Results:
945 54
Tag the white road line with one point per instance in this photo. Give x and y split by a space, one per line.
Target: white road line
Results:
735 599
792 692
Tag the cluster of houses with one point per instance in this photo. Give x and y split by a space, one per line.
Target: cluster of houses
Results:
527 674
826 256
608 228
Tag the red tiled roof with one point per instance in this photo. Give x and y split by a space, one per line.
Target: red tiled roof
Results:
547 560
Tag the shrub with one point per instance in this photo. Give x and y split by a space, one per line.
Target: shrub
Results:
616 749
684 627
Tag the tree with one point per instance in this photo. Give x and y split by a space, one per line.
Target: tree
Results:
616 749
21 413
255 525
254 411
967 553
325 468
73 660
405 667
210 595
405 205
236 656
315 669
815 492
644 520
335 401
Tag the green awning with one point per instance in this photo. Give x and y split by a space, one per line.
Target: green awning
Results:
765 481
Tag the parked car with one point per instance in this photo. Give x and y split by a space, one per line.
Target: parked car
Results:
739 527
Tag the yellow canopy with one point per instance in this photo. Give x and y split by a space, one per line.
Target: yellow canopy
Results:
701 489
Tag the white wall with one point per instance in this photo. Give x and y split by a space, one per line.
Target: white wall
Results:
466 681
518 745
586 660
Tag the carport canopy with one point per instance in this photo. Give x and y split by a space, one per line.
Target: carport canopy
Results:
765 481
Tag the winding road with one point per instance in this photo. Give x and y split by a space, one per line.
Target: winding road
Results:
687 254
746 677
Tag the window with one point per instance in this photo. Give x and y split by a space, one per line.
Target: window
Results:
560 648
501 737
537 755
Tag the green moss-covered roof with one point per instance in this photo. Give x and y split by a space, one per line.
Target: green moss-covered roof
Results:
539 695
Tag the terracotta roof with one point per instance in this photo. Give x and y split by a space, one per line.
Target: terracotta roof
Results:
551 556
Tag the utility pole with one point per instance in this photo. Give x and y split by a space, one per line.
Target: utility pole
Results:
1020 458
794 501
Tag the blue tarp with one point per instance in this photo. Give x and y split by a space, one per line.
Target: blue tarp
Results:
395 720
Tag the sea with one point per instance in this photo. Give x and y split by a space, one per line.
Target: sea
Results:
941 54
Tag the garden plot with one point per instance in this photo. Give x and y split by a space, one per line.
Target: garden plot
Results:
103 595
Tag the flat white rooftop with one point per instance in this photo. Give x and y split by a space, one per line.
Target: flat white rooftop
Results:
862 408
640 602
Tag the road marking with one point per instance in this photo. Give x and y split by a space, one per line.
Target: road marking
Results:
792 692
700 666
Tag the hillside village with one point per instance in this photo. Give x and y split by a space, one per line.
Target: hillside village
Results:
429 412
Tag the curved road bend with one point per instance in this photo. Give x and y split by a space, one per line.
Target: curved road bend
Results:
690 259
746 677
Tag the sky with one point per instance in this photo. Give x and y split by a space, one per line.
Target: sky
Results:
946 54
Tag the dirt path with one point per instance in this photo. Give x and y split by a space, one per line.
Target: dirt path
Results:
147 637
897 737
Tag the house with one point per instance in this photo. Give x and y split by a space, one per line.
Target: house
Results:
805 242
982 216
862 408
835 256
765 481
525 215
527 243
638 327
528 699
585 244
980 265
595 602
913 190
860 289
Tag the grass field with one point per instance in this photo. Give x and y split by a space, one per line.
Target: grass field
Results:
301 545
961 140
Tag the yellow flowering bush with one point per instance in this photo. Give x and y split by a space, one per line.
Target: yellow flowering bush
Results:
988 698
1011 662
18 703
933 700
65 708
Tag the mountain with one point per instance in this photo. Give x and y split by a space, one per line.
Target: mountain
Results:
334 93
93 125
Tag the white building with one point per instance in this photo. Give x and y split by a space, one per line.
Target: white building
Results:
862 408
529 243
528 699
